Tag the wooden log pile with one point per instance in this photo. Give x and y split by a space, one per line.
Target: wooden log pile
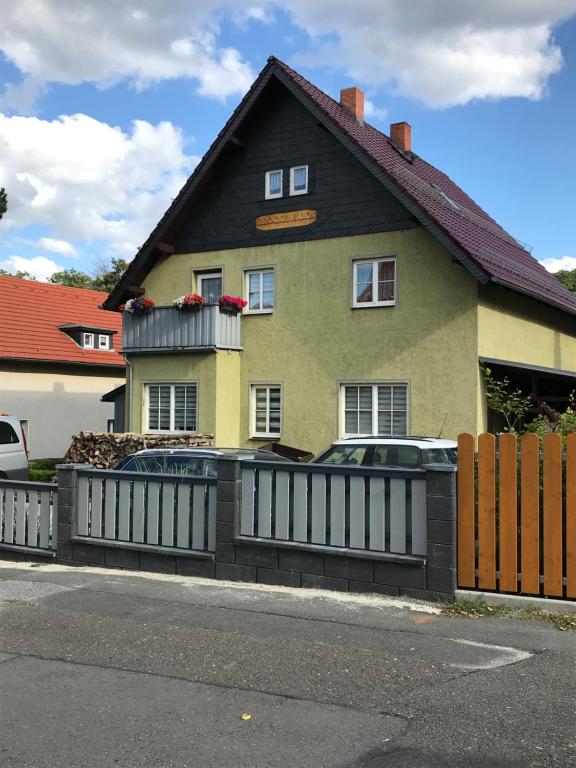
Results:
105 449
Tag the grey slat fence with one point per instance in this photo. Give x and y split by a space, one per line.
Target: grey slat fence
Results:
372 510
155 510
28 516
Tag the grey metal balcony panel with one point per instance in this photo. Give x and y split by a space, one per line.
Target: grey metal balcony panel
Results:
168 329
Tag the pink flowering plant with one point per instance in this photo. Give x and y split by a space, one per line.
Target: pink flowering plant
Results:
233 303
189 301
138 306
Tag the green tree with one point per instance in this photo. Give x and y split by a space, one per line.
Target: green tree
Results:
568 278
73 279
511 404
108 273
3 201
22 275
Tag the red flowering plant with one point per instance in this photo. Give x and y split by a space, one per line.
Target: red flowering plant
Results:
138 306
190 301
231 303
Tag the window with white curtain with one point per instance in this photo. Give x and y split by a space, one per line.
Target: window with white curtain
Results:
266 410
374 409
172 407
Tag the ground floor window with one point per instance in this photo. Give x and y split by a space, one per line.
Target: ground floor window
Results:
172 407
374 409
266 410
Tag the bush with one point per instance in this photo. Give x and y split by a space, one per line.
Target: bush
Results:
43 470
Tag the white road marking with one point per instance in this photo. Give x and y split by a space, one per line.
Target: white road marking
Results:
504 655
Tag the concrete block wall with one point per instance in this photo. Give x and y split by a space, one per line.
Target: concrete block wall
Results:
71 551
251 560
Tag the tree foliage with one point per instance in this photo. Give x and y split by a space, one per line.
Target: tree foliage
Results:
22 275
511 404
568 278
73 278
3 201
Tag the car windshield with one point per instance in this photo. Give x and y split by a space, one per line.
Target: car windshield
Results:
343 454
171 464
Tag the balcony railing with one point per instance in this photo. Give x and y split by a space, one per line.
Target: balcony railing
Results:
167 329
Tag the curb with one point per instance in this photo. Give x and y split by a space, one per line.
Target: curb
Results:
518 601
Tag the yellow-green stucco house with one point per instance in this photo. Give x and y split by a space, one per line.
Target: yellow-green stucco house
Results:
375 286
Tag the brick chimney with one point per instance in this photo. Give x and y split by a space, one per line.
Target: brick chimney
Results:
401 135
353 100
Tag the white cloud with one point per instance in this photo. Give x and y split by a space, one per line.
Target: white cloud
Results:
443 52
554 265
39 266
62 247
374 113
83 179
104 42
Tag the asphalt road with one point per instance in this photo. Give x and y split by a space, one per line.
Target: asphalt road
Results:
111 668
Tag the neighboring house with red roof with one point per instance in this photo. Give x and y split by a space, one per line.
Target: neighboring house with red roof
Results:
375 286
59 353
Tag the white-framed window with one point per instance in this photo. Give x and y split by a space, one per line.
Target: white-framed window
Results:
299 180
104 341
266 410
374 409
374 283
273 184
109 425
209 285
172 407
88 340
260 291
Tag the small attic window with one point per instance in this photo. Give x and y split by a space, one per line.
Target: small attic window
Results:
104 341
88 340
448 199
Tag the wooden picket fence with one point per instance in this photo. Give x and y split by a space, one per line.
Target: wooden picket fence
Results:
517 514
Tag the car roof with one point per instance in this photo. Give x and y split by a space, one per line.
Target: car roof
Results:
419 442
200 451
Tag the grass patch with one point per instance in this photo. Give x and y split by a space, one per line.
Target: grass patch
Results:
42 470
563 621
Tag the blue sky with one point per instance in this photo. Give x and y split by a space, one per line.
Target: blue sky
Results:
104 112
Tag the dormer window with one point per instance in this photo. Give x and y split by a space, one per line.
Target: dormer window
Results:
88 340
299 180
273 186
104 341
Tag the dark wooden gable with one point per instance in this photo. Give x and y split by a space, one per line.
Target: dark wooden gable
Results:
279 133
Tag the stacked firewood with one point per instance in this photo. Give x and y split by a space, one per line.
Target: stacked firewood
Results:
105 449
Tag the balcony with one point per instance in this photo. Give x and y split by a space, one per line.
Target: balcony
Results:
167 329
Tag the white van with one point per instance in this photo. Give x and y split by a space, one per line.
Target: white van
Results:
13 449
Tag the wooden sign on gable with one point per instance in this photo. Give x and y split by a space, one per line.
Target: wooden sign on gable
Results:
285 220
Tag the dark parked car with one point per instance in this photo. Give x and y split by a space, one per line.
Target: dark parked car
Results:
199 462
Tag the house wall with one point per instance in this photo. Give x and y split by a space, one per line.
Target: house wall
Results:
315 340
57 403
519 329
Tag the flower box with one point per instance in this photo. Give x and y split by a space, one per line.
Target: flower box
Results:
231 305
191 302
138 306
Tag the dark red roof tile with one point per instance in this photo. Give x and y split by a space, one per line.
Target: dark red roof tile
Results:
496 252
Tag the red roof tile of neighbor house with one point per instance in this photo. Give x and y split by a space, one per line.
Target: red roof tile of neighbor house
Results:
473 237
31 315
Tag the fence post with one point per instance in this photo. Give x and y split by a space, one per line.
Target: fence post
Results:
65 523
227 523
441 529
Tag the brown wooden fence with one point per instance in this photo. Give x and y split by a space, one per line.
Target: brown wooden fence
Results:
517 514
